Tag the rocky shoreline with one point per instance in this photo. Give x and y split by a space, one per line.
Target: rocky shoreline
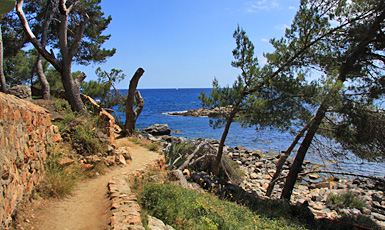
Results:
313 191
203 112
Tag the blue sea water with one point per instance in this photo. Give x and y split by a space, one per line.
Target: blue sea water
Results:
160 101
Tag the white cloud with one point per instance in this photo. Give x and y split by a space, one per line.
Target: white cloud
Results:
282 27
253 6
264 40
292 8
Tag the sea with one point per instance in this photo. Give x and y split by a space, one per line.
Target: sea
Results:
158 102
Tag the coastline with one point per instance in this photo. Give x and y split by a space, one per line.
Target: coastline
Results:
313 190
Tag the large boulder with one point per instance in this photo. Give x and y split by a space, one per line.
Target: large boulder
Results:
158 130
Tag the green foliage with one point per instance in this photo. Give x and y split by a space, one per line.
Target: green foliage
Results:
345 200
102 88
82 133
190 209
261 97
90 50
176 153
84 137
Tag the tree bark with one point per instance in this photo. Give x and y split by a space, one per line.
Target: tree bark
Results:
296 167
39 63
131 113
357 52
222 142
2 77
283 159
43 80
67 53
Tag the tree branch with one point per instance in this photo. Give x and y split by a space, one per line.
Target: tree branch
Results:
79 36
31 36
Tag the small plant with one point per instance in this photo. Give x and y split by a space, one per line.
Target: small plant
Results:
345 200
176 153
59 180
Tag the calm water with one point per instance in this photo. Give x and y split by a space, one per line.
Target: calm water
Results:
160 101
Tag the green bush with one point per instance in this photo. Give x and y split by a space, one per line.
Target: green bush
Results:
345 200
190 209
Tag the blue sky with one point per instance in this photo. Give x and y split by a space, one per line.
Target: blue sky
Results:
186 43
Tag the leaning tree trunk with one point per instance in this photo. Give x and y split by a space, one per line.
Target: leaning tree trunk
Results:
2 77
350 60
297 164
218 158
131 113
283 159
72 91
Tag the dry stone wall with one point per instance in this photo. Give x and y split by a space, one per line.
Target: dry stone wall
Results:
25 134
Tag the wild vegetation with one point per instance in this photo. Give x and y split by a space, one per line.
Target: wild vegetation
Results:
342 42
63 170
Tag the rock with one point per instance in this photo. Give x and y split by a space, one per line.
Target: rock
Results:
155 224
318 205
109 160
65 161
158 130
123 151
92 159
366 211
186 172
378 216
258 164
254 176
314 176
86 167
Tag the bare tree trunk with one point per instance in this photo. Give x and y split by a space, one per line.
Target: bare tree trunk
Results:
71 89
43 80
131 113
2 77
39 63
283 159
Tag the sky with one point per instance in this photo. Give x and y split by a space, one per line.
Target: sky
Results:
187 43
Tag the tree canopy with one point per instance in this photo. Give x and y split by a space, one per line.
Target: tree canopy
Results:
342 42
75 34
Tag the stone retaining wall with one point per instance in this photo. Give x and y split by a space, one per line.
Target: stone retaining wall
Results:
25 134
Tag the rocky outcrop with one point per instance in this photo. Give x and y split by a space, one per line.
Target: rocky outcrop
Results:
21 91
26 132
158 130
203 112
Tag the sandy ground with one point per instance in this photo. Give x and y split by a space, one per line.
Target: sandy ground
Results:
89 207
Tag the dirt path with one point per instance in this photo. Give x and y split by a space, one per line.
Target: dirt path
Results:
89 206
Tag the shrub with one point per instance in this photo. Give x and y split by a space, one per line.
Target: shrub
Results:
58 180
190 209
345 200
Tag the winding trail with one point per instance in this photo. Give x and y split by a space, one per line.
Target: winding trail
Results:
89 206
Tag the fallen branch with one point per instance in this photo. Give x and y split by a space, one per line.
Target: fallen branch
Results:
200 158
190 157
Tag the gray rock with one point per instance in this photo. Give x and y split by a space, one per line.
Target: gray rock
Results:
158 130
156 224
